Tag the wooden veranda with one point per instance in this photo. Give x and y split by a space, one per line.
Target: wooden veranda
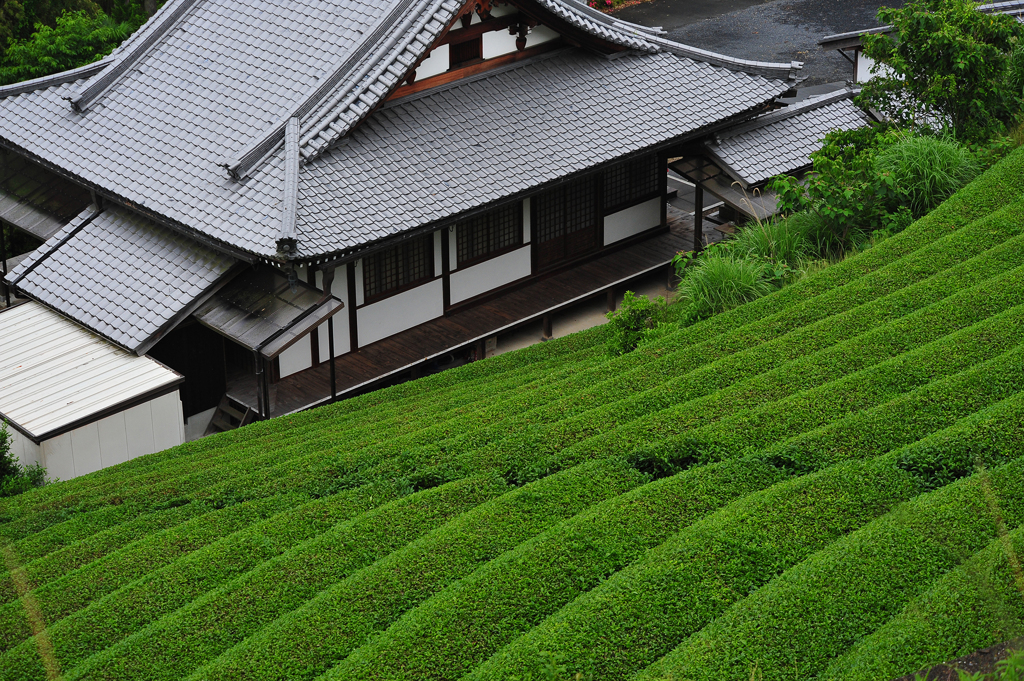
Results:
397 357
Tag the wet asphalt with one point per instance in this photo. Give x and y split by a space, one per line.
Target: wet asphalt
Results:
776 31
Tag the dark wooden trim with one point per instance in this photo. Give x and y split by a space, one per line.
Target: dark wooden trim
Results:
535 276
353 317
314 334
465 72
663 165
476 30
634 202
493 254
446 283
370 300
104 413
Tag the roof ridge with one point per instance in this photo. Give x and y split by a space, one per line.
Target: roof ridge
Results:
68 76
809 104
286 241
74 226
779 70
356 94
159 26
242 164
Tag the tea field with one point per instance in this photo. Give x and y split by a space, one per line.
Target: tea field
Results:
825 483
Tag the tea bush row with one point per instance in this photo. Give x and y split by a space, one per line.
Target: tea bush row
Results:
796 625
642 612
975 606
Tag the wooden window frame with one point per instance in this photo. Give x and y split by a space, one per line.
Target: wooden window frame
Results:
490 255
430 276
656 192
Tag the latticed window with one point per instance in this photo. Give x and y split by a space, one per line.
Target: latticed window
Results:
489 234
632 181
566 209
400 267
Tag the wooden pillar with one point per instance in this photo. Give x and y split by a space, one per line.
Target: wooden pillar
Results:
330 354
547 333
698 217
611 299
353 318
446 284
261 408
3 262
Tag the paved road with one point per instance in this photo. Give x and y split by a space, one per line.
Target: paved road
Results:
778 30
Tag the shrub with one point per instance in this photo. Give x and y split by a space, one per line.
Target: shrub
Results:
779 241
635 318
719 281
926 170
14 477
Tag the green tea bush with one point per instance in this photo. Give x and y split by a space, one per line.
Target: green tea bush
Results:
643 611
978 604
852 587
633 321
460 627
307 641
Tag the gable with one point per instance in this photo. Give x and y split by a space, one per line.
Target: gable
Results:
482 37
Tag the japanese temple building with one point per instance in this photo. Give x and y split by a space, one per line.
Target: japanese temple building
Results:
283 203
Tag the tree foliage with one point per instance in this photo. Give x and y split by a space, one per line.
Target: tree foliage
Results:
78 38
948 68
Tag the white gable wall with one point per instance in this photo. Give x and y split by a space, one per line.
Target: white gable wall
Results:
144 429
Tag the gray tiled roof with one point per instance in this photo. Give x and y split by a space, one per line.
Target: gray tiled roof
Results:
225 74
120 275
421 159
782 141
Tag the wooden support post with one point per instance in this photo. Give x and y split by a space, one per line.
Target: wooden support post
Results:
3 261
547 333
611 299
261 408
330 353
671 280
698 217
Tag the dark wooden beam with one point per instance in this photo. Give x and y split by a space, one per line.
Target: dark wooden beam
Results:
465 72
476 30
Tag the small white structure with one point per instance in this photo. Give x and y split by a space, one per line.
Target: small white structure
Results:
75 402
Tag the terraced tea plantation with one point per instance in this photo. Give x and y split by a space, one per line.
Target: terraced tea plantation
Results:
824 483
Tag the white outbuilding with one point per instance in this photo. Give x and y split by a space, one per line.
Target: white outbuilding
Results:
75 402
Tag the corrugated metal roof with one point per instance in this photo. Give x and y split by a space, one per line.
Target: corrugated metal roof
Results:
54 373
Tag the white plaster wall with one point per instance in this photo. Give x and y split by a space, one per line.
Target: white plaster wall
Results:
497 43
296 358
490 274
149 427
26 451
339 289
359 282
863 68
632 220
400 312
437 62
196 425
